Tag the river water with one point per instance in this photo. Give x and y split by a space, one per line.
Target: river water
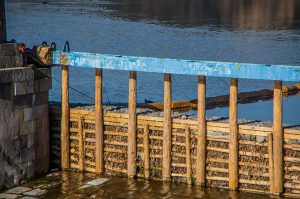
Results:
257 31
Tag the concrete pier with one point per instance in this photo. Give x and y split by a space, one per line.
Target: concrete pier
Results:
24 120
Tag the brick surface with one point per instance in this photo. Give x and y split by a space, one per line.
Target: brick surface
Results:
40 99
32 140
23 101
28 127
40 110
11 61
27 155
8 75
23 88
41 73
45 84
23 141
8 49
28 114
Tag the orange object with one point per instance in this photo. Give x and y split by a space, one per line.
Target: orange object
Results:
22 48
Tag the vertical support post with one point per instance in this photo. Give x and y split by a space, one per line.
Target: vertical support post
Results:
2 22
233 129
132 136
201 138
278 138
271 163
167 132
188 156
99 131
80 143
65 119
146 153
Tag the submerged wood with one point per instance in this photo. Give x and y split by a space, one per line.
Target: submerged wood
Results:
223 100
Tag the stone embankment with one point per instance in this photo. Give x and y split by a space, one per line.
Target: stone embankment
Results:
24 118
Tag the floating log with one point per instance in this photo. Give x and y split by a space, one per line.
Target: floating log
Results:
223 100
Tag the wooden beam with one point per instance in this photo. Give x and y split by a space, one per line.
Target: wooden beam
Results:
80 143
271 162
201 139
146 153
167 128
99 131
278 138
233 129
177 66
188 156
65 119
132 134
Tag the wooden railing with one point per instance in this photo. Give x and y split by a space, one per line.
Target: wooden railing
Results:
173 66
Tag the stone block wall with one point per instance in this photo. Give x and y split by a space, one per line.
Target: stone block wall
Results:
24 119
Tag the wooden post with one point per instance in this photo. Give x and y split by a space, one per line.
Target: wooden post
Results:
188 156
65 119
2 22
80 143
201 138
233 129
271 163
146 153
167 132
278 139
99 132
132 136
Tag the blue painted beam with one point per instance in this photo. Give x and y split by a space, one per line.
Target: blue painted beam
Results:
176 66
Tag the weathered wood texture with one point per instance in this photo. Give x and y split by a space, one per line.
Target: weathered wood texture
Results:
65 118
271 162
233 129
2 22
132 134
99 136
254 170
278 138
146 153
188 156
201 140
185 67
167 133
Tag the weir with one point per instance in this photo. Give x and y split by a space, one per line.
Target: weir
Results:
166 148
203 152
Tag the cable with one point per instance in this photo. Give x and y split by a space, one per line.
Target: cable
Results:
173 77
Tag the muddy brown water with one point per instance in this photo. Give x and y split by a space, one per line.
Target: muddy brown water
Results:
67 185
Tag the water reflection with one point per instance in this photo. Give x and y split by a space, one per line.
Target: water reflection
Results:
230 14
258 14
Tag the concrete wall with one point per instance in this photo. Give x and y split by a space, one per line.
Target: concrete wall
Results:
24 119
